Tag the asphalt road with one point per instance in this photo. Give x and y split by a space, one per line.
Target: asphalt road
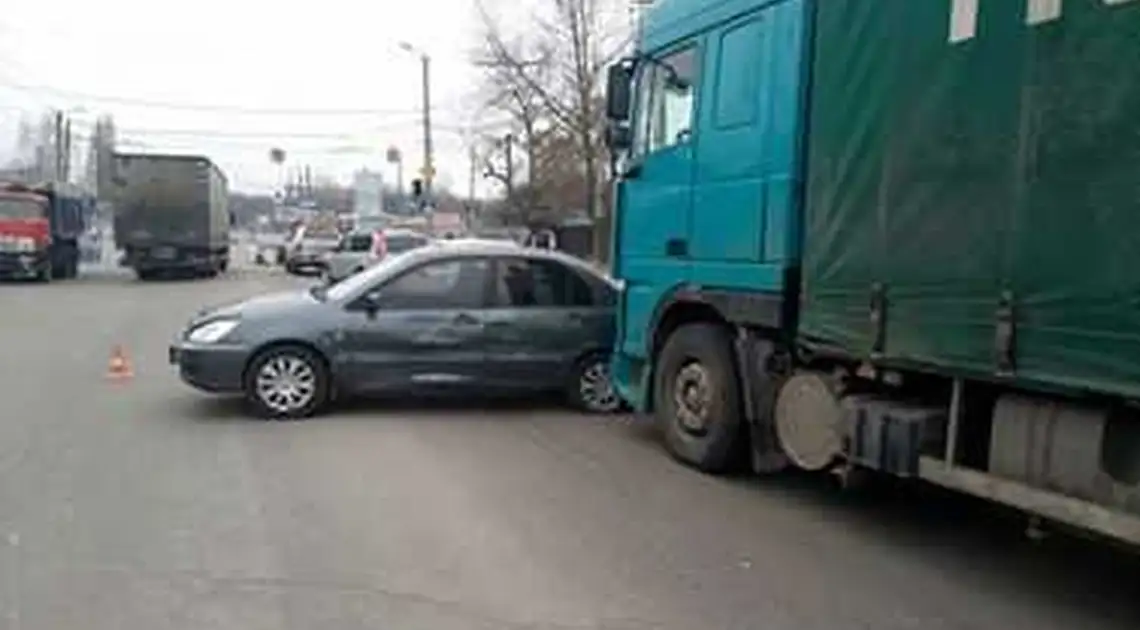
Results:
146 505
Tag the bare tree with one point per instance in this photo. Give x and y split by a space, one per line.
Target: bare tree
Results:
554 65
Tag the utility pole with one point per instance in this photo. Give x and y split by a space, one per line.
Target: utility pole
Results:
58 146
508 149
473 156
429 166
67 150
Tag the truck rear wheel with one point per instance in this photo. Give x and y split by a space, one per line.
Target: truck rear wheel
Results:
697 398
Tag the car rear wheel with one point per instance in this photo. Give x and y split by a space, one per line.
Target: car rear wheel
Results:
591 389
287 382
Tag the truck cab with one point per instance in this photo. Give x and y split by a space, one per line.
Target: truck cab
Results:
25 233
711 131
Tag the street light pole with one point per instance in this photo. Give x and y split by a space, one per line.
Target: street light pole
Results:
428 173
429 167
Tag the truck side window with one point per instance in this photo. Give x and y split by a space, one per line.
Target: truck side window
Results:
641 114
671 100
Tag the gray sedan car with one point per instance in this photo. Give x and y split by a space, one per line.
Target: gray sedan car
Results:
453 315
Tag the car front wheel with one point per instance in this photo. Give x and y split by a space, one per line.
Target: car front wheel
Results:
287 382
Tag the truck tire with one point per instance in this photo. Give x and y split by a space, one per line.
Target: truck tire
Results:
697 398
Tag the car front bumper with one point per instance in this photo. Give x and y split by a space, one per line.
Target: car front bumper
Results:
213 368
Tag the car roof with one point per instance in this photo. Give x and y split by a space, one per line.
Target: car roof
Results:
403 232
487 247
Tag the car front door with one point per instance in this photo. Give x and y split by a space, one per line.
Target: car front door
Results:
541 319
424 327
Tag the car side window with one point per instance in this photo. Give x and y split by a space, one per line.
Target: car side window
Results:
360 243
523 283
445 284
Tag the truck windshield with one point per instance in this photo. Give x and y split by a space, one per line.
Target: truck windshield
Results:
20 209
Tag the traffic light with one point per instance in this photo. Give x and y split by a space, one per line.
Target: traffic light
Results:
417 188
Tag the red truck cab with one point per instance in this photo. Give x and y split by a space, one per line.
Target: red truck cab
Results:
25 232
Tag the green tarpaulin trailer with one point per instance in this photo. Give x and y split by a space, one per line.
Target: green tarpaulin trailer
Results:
974 188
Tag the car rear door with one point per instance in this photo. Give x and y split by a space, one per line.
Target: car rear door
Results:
541 319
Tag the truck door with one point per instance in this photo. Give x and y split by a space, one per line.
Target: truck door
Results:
655 195
657 191
744 184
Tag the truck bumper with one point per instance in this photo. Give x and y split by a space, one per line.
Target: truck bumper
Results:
23 264
155 259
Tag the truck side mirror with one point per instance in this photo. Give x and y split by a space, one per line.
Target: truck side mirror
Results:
619 88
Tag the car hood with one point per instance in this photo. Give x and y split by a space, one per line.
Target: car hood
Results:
263 305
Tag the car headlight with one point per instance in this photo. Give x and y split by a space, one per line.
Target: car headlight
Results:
213 331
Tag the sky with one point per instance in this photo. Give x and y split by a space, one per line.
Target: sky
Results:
326 81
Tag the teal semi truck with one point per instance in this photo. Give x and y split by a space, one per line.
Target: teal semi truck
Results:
896 236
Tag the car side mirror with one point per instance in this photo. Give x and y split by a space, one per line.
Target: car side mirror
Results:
369 302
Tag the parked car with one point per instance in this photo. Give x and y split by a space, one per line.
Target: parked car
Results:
361 249
454 316
307 250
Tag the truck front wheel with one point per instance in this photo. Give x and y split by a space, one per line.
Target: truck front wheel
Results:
697 398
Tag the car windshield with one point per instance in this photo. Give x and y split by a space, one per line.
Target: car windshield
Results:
366 278
20 209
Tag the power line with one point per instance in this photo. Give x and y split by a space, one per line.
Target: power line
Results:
233 109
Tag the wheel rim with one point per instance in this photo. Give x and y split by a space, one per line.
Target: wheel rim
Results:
596 390
286 383
692 398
